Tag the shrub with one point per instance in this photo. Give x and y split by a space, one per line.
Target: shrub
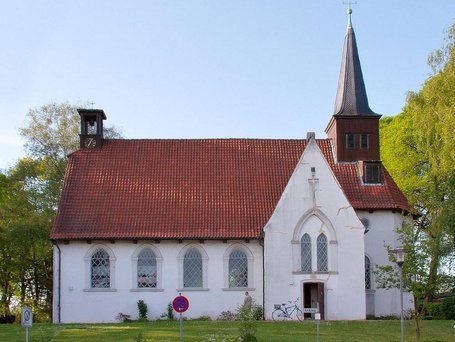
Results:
448 307
435 310
170 312
257 311
445 309
7 319
203 318
142 308
247 323
226 316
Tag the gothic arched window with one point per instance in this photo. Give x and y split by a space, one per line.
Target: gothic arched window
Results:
305 253
322 255
100 269
238 269
367 273
146 269
192 268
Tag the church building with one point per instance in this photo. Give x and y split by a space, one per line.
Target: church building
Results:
286 220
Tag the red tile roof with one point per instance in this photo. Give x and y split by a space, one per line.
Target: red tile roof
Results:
181 189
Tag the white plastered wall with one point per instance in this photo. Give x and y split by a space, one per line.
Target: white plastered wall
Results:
325 210
381 233
79 303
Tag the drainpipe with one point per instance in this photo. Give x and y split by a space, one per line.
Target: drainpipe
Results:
59 292
261 243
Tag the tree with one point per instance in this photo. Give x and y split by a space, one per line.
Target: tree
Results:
423 136
51 134
29 194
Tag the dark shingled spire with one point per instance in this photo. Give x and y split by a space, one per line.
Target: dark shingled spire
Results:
351 95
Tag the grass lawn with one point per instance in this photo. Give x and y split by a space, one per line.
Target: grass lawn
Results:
330 331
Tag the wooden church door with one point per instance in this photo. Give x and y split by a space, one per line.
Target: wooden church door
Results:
313 297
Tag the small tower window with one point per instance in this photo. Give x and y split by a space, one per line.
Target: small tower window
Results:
350 141
364 141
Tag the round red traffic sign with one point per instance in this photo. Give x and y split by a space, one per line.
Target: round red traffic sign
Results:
180 304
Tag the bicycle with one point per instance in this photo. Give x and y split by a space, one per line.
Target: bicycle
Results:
283 312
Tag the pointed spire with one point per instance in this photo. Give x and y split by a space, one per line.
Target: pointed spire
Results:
351 94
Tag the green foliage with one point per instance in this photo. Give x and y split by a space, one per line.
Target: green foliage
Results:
247 318
226 316
417 149
169 311
29 195
352 331
445 309
143 309
140 338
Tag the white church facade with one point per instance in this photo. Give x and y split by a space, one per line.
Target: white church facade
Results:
285 220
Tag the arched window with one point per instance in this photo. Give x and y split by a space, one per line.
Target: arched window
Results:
367 273
146 269
305 253
322 256
238 269
192 268
100 269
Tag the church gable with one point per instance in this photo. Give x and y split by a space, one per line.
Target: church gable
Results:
314 240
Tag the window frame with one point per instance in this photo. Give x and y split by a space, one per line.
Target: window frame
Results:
181 261
308 250
159 269
243 266
370 177
368 274
322 261
364 145
250 259
88 269
350 141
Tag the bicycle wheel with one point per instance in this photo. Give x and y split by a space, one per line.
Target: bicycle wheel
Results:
279 315
299 314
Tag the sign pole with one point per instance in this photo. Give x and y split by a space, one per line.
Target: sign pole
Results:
26 320
181 328
180 304
317 317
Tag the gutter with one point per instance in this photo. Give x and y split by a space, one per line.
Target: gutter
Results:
59 292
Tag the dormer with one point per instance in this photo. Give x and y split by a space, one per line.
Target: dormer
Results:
91 127
354 127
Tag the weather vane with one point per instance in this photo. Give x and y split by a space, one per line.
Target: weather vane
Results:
349 3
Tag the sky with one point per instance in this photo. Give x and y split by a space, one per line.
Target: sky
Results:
208 68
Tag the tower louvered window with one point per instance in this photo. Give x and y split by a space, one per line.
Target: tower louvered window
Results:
305 253
100 270
238 269
322 256
146 269
192 268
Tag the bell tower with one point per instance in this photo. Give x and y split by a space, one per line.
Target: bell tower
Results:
354 127
91 127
